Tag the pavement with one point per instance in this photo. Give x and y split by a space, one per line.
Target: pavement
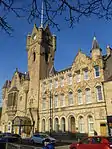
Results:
22 146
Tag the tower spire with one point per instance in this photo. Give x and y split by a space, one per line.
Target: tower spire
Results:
42 15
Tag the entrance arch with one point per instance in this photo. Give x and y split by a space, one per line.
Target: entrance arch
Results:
71 123
21 124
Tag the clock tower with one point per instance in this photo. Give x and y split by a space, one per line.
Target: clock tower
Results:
41 47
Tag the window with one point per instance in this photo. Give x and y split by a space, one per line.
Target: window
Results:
56 101
43 103
43 87
56 125
61 81
69 79
62 100
78 76
99 93
79 97
86 74
34 56
56 83
50 84
88 95
97 73
90 124
43 125
63 124
70 98
81 124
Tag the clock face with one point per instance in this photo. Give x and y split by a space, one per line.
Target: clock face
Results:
34 36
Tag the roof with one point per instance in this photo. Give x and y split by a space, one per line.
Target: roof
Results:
95 44
64 69
7 84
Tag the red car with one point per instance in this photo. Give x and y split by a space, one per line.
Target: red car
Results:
94 142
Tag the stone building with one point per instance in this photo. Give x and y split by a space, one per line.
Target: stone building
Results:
43 99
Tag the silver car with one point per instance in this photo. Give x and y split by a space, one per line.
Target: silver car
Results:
41 138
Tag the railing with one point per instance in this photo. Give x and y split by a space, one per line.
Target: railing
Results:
17 146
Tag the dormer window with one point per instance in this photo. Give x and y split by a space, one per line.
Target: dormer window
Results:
56 83
69 79
86 74
78 76
62 81
34 56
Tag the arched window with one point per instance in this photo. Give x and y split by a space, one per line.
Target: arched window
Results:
80 97
15 98
62 100
99 93
63 124
97 71
70 98
56 125
81 124
88 95
34 56
43 125
50 124
55 101
90 124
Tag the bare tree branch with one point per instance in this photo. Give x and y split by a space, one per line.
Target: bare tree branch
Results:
69 10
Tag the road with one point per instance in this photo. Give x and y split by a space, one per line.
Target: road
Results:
22 146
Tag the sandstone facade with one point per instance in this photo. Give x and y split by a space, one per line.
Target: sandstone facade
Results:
42 99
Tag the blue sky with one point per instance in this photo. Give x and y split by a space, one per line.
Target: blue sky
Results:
13 49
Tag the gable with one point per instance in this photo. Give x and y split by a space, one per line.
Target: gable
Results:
15 80
34 31
80 61
47 30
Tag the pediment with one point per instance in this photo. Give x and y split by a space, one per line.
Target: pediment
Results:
80 61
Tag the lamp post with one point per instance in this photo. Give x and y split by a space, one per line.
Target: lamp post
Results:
50 113
50 110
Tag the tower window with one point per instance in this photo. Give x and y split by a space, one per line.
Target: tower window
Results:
34 56
97 72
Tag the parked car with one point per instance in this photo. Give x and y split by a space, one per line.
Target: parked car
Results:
41 138
94 142
9 137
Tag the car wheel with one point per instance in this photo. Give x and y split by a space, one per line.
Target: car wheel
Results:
43 143
32 142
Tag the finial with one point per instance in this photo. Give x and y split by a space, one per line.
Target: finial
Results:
42 15
16 69
108 46
94 38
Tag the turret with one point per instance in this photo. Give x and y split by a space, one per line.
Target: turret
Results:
95 51
108 49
